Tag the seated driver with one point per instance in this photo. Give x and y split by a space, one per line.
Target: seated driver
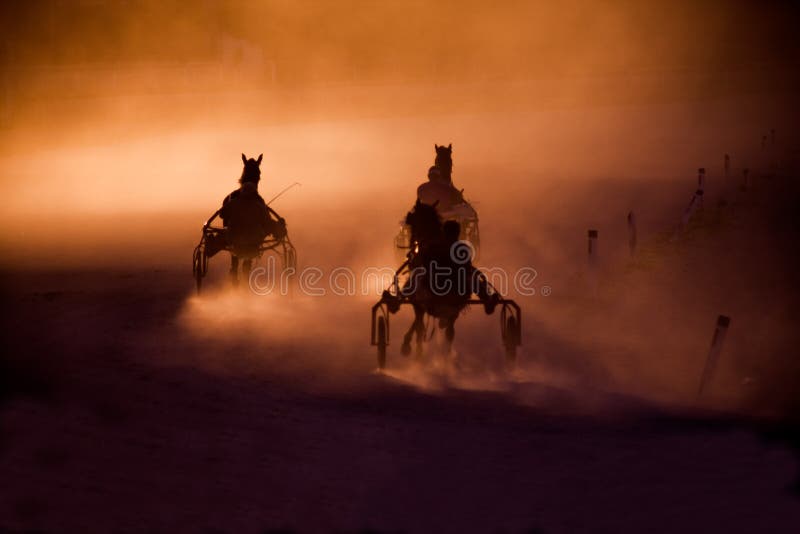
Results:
247 218
437 191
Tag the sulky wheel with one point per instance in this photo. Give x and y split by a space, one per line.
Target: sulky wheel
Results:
382 339
290 260
197 268
510 339
472 234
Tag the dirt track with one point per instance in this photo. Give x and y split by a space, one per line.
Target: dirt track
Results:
121 434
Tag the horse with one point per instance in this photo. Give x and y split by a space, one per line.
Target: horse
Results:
247 219
444 161
441 276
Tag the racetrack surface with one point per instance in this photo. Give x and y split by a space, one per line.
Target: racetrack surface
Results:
120 432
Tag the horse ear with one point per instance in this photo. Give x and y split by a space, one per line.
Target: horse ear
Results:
435 146
259 159
244 158
450 146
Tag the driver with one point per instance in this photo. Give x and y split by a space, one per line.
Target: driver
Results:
247 218
439 192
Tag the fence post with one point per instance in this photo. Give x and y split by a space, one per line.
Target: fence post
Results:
592 260
727 165
713 354
701 184
632 232
694 204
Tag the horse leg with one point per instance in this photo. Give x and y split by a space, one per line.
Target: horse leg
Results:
405 348
414 328
449 334
234 272
481 288
419 322
246 266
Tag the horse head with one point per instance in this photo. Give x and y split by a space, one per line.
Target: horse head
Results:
444 159
252 169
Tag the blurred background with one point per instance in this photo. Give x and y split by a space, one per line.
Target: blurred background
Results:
122 125
127 400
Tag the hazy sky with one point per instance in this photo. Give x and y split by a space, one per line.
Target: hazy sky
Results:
329 40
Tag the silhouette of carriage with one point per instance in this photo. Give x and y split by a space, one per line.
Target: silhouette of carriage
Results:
462 213
392 300
436 250
215 240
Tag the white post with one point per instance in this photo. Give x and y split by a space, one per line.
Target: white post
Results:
632 232
713 354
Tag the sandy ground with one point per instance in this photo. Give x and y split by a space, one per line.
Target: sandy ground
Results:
132 424
130 404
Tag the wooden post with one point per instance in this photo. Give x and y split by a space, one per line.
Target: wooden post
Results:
701 184
592 246
592 277
772 136
763 142
713 354
727 165
632 232
694 204
745 173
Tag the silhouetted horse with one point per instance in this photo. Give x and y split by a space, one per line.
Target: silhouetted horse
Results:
247 219
444 161
441 276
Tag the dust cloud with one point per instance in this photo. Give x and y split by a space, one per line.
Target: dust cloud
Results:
117 145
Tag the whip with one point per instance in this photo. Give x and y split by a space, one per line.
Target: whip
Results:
285 189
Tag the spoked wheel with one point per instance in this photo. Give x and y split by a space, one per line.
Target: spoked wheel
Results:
511 340
198 268
290 260
382 341
402 243
474 237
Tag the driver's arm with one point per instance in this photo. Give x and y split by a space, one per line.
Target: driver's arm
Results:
275 213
